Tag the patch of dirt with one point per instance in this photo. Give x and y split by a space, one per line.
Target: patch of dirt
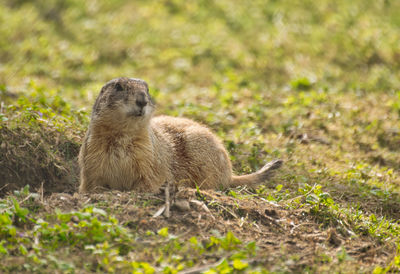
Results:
44 158
291 239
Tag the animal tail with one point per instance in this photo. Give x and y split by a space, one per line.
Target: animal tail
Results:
257 177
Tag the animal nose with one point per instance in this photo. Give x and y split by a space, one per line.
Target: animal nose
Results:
141 102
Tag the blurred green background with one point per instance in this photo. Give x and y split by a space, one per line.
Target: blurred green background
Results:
76 46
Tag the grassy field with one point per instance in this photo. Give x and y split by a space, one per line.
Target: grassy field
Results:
313 83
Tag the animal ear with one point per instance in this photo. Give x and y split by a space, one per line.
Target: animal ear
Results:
118 87
148 94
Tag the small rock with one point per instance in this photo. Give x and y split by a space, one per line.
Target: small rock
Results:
290 263
182 205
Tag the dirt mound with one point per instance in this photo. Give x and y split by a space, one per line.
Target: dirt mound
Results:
288 239
44 157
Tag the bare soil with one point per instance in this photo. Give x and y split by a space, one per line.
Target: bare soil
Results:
288 239
44 159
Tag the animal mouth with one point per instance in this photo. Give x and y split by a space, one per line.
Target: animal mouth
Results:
139 113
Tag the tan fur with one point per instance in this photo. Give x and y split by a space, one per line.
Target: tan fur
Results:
126 149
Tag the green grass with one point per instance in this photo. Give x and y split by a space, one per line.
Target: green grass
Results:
109 245
315 84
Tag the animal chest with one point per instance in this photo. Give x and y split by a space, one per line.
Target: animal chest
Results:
117 167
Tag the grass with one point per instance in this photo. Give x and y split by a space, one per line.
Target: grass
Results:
111 246
315 85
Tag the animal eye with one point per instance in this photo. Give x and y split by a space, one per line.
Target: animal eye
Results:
118 87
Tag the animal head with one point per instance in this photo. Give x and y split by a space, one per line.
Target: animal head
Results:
123 100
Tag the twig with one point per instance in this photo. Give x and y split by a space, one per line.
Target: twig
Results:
203 206
13 171
41 192
269 202
3 187
159 211
296 226
227 210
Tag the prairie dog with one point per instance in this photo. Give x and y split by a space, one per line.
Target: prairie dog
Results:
125 148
